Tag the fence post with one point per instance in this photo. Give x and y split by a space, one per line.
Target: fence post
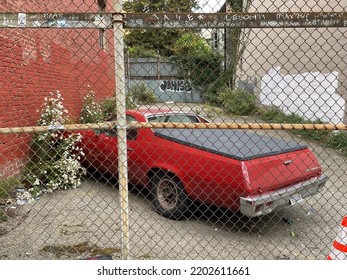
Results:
118 33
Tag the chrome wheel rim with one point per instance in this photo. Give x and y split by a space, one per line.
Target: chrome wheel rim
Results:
167 194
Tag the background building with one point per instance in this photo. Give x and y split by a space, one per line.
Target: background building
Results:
301 70
34 62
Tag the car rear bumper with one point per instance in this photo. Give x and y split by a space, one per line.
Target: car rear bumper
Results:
257 205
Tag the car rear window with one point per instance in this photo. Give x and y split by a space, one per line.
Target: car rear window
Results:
174 118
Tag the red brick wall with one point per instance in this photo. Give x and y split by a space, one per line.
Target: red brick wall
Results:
34 62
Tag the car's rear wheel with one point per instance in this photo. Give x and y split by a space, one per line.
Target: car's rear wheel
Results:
169 197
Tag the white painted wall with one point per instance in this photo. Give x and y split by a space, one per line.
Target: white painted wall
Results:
312 95
315 55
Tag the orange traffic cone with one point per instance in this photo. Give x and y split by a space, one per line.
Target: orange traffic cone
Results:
339 250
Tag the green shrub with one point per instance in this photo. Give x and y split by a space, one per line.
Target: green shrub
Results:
141 51
237 101
196 61
109 106
214 88
273 114
141 94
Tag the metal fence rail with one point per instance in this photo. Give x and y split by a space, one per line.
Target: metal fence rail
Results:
92 166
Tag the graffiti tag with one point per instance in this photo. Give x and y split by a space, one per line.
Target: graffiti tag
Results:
176 86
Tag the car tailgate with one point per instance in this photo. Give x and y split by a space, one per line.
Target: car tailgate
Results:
268 173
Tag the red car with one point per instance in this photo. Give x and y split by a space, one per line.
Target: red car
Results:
243 171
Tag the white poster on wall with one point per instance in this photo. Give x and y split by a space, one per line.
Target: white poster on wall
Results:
311 95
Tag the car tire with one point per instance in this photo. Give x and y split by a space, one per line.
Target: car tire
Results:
169 197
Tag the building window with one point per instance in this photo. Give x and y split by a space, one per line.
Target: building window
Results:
102 32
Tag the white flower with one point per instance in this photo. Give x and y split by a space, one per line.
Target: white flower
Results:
36 182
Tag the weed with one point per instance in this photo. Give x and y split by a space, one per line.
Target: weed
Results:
79 248
3 216
7 186
337 140
330 139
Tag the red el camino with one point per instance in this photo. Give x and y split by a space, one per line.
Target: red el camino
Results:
242 171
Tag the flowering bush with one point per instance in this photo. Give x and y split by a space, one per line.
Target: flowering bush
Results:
109 106
91 110
54 160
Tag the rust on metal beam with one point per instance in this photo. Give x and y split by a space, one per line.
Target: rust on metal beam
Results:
55 20
236 20
174 20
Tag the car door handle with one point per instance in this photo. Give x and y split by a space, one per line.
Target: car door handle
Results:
130 149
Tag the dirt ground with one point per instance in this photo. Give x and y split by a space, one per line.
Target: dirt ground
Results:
85 222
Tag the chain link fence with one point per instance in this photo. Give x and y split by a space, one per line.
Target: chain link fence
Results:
172 129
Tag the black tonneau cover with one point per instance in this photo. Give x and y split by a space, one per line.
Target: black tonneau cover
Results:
236 144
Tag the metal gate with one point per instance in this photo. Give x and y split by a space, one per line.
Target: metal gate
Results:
227 141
